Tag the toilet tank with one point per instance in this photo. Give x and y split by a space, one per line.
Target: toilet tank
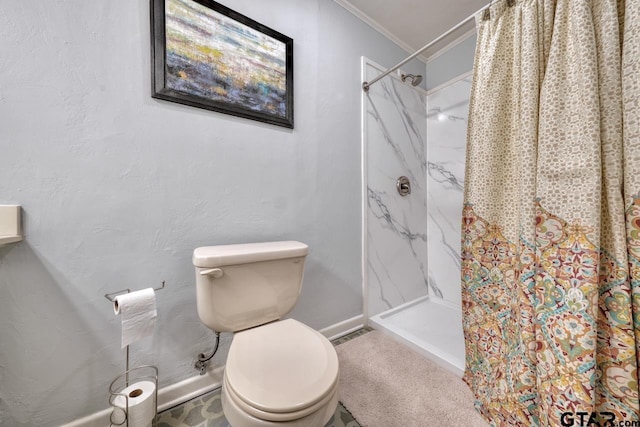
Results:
246 285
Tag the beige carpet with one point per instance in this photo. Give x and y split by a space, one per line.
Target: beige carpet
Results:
386 384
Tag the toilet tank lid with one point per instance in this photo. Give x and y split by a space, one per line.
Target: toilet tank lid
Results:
218 256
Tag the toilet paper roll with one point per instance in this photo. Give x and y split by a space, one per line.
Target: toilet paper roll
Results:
142 404
138 313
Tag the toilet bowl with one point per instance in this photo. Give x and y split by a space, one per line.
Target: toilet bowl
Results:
283 373
278 372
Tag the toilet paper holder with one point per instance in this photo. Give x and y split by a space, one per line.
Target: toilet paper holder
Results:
120 416
111 296
124 390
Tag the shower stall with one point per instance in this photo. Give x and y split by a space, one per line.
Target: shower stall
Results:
413 151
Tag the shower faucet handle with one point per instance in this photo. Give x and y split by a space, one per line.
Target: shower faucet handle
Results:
404 186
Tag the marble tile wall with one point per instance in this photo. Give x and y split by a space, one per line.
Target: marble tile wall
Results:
395 126
447 110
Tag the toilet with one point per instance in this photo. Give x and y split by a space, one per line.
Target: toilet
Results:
278 372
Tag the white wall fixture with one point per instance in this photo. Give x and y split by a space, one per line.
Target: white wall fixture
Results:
10 224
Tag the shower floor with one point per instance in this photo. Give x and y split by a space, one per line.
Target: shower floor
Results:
429 326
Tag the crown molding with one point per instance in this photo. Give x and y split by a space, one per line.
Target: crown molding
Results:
378 27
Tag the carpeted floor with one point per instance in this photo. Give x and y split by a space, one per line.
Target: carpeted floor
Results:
384 383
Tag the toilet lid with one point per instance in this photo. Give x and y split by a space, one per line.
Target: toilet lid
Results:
281 367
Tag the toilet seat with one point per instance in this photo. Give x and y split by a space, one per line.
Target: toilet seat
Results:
237 417
281 371
278 416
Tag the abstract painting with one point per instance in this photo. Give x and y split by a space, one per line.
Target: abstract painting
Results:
208 56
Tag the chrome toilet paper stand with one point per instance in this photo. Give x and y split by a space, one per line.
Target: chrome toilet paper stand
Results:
145 372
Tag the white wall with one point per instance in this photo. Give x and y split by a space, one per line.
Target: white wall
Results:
119 188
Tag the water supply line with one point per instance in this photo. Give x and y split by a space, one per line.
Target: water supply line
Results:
203 359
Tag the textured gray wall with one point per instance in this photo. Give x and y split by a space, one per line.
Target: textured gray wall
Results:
451 63
119 188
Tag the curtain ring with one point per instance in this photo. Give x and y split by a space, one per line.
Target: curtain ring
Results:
486 15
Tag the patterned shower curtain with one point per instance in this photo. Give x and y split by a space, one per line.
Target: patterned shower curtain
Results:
551 221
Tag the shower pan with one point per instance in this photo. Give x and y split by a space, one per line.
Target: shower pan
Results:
411 239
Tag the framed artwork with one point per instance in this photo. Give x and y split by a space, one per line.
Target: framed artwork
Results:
206 55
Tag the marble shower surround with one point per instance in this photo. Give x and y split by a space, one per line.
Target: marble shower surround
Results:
413 243
396 231
447 110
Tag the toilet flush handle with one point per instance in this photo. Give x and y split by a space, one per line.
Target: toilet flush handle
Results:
214 272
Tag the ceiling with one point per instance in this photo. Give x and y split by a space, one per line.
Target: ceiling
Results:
413 23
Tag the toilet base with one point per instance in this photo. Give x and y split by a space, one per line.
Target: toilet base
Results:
239 418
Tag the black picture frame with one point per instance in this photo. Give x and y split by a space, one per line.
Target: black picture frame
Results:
195 73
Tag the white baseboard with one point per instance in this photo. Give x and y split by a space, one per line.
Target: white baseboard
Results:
195 386
190 388
343 328
168 397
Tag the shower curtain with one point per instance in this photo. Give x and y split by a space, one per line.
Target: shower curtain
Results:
551 221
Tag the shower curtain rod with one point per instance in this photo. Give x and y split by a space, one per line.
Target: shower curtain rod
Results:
366 85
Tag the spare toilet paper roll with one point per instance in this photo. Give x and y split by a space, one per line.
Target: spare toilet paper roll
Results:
142 404
138 313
